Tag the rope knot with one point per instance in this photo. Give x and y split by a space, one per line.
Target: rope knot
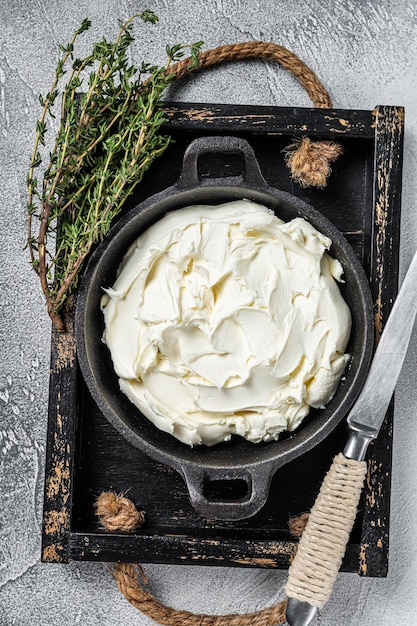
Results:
297 524
118 513
310 161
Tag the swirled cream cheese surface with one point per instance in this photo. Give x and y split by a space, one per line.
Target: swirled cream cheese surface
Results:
225 320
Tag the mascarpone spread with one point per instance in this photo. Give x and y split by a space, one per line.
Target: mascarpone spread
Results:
226 320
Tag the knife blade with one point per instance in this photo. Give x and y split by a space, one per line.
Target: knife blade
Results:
322 546
368 412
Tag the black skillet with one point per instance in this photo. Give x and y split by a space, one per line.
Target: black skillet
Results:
237 463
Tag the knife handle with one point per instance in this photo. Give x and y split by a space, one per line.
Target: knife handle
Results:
322 546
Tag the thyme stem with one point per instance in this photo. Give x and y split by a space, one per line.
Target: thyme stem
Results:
107 138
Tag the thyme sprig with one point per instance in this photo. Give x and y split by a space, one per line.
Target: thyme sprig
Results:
108 137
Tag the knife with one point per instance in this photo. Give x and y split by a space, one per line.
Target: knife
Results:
322 546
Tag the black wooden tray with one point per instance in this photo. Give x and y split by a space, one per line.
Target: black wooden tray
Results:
85 455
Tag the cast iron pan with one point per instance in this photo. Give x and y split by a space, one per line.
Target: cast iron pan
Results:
236 463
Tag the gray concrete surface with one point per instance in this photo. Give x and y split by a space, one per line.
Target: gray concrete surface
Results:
366 54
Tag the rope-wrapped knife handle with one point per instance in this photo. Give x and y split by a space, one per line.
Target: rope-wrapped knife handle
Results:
323 543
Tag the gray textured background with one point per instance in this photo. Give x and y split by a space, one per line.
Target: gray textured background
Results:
365 52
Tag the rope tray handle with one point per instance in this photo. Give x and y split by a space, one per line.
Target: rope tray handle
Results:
309 161
118 513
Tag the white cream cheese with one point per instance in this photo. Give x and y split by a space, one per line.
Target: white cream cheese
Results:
225 320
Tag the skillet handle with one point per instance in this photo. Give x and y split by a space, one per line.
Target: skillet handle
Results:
254 481
190 177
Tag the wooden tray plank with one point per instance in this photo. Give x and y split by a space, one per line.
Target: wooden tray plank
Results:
232 118
389 137
58 491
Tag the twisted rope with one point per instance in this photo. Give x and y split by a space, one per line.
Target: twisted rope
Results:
119 513
309 161
261 50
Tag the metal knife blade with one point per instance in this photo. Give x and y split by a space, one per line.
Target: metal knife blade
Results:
369 410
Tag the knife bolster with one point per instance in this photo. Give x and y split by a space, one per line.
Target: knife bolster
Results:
357 444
